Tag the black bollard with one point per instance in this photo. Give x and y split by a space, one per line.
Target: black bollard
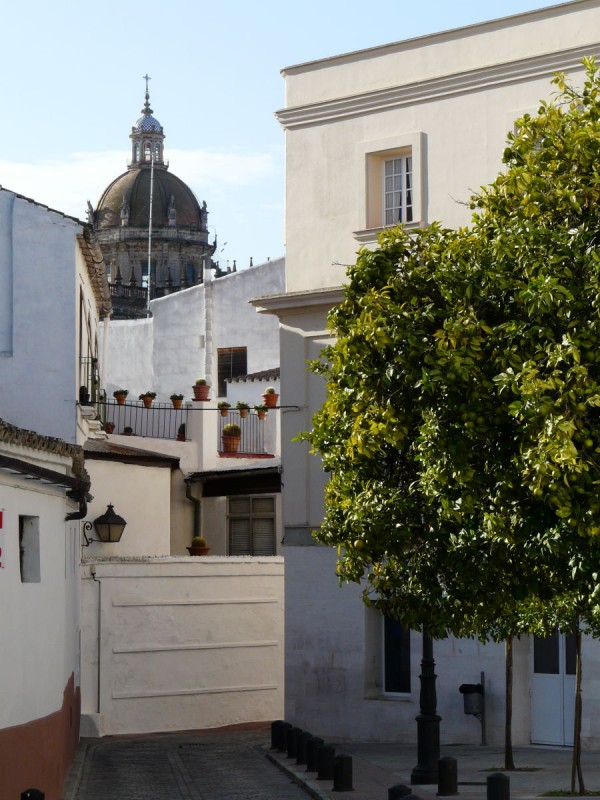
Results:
32 794
301 747
342 773
312 753
498 786
276 733
398 791
326 761
447 777
291 741
282 736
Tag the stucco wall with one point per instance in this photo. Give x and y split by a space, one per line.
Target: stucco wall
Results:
40 295
179 343
142 496
181 644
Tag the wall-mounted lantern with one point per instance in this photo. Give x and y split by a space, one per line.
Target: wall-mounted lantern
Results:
109 527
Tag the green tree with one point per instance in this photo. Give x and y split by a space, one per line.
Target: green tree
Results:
461 421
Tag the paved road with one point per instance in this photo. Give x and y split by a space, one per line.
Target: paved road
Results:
207 766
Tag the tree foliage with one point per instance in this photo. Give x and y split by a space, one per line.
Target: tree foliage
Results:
461 425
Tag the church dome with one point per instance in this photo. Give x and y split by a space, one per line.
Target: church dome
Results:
147 124
130 194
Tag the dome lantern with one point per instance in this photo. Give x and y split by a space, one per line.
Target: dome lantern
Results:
146 136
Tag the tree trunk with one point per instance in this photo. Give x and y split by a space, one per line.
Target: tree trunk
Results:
576 764
508 749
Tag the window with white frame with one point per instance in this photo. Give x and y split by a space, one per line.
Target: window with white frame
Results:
397 185
251 524
29 549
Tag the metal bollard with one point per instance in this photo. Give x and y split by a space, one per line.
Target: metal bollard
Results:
282 736
291 741
342 773
498 786
301 747
447 776
312 753
398 791
32 794
275 733
326 760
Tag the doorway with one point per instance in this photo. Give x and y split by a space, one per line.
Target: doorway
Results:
553 689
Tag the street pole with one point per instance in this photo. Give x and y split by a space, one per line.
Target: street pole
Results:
428 721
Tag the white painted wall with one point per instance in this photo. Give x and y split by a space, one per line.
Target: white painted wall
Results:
167 353
181 643
453 97
139 494
39 627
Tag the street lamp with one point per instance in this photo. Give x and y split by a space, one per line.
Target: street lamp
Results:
428 721
109 527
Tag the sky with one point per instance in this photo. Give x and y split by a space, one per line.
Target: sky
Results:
72 88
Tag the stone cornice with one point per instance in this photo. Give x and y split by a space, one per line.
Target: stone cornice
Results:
96 268
490 77
298 301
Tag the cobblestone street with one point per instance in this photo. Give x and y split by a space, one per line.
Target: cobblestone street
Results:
207 766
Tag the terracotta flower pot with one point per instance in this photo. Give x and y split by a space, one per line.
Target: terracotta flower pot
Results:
231 444
177 403
147 401
120 398
261 414
201 391
243 413
270 400
198 551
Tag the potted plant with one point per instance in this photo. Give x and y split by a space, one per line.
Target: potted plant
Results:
260 411
224 407
243 408
147 398
231 435
270 397
198 547
120 395
109 427
201 389
177 400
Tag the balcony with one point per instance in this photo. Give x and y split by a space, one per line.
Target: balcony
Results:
192 423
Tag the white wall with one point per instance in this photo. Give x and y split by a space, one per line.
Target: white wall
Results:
39 386
182 643
167 353
40 623
139 494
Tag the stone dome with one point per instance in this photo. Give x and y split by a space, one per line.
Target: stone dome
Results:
131 191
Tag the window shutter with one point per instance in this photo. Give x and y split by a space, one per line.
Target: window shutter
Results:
264 537
240 537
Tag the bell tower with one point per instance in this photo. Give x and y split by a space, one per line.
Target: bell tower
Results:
147 137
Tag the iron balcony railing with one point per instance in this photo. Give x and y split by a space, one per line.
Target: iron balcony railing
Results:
252 440
160 421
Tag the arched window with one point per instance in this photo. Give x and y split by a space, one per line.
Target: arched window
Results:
147 151
136 152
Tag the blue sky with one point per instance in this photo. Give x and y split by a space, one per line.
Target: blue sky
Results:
72 87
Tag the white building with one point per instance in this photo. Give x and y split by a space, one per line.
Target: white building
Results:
42 488
53 292
434 112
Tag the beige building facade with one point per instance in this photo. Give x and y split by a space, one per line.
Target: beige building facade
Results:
402 132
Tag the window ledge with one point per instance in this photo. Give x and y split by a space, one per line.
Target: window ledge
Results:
371 234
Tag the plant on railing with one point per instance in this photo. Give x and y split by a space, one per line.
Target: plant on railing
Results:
177 400
260 411
270 397
201 389
231 435
120 395
243 408
223 407
147 398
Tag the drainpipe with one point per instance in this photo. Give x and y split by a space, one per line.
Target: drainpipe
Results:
196 502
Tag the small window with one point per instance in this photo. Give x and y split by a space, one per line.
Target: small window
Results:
232 361
251 526
396 657
397 190
29 549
